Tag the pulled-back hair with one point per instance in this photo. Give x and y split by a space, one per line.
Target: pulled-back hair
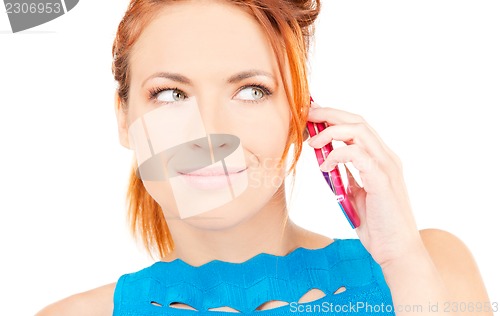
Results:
289 26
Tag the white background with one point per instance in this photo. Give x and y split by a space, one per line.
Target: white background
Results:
425 75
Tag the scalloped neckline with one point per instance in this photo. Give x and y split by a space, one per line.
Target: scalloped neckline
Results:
253 258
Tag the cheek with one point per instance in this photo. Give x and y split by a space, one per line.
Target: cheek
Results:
265 145
266 137
162 193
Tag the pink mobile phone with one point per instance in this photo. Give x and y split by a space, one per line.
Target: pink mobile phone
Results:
333 178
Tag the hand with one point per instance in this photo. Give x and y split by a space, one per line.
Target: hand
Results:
387 229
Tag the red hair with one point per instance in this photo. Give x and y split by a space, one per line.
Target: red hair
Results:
289 26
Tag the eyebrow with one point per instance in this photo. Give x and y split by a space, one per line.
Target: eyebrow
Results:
233 79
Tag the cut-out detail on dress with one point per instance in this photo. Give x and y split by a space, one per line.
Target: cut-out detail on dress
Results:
271 305
345 265
340 290
180 305
224 309
312 295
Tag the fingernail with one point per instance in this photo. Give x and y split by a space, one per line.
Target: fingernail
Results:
327 166
312 140
323 167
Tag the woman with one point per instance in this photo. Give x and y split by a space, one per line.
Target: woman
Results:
237 68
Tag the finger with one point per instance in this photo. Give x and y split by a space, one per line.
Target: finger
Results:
332 116
360 159
371 174
349 171
335 116
352 188
352 133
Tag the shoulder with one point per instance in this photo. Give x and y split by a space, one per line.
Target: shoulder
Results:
455 264
95 302
445 248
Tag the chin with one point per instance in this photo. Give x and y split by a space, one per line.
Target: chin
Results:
224 217
241 209
228 216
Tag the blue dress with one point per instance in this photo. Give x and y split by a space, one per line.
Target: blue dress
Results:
343 264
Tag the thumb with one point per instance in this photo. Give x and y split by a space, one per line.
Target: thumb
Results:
356 194
352 185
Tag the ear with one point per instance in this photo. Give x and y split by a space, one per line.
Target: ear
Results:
305 134
121 119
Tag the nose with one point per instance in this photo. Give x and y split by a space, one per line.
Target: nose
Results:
218 146
213 112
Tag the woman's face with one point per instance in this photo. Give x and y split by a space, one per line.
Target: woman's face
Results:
208 43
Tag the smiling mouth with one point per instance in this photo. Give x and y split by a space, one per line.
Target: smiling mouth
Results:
209 179
214 172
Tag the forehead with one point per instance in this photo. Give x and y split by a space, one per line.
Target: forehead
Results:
215 39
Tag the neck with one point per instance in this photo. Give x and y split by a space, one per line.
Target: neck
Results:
268 231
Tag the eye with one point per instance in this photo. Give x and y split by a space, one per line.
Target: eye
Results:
167 95
254 93
176 94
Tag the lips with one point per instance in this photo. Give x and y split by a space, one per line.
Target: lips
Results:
214 178
211 172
